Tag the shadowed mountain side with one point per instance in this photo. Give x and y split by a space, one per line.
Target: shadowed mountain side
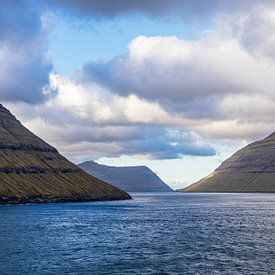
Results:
251 169
129 179
33 171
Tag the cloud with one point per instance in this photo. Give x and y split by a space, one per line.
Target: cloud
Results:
215 63
24 70
151 142
112 8
254 30
162 98
166 95
87 116
178 70
188 8
219 84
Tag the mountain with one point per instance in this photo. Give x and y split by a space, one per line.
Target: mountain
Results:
33 171
129 179
251 169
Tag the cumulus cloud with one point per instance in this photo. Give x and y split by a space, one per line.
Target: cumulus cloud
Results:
169 68
87 116
174 69
24 70
161 98
147 141
215 81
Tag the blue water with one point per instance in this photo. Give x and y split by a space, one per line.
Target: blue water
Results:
152 234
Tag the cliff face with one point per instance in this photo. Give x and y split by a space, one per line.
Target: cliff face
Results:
251 169
129 179
33 171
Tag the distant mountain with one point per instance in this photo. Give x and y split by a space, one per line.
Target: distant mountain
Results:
33 171
251 169
129 179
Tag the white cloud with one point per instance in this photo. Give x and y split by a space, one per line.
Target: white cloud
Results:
169 68
101 106
88 116
165 95
222 82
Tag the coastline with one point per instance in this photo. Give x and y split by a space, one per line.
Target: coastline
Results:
6 200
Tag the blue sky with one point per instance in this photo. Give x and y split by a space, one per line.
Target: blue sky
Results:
102 39
174 85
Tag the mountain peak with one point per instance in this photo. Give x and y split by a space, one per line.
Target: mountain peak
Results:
251 169
33 171
129 179
270 137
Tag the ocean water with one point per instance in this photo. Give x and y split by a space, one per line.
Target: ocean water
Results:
151 234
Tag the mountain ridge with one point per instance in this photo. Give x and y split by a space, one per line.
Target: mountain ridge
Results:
250 169
128 178
32 171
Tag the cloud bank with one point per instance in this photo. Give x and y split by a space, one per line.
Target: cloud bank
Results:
164 98
215 81
99 123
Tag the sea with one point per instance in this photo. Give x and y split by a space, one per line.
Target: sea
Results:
166 233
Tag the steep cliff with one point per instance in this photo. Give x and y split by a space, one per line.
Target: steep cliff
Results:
251 169
33 171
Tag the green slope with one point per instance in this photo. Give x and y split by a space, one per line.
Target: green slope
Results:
251 169
33 171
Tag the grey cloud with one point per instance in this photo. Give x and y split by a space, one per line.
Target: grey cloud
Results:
196 78
112 8
74 133
19 20
24 69
188 8
256 32
150 141
197 109
25 81
161 147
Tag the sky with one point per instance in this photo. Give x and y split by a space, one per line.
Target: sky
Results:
177 85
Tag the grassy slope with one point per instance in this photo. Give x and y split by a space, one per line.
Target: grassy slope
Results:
29 167
251 169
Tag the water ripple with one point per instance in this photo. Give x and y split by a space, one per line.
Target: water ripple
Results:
152 234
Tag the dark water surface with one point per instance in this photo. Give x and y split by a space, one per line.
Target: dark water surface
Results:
155 234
